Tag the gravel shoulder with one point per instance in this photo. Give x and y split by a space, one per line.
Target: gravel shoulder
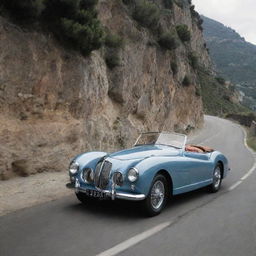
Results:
19 193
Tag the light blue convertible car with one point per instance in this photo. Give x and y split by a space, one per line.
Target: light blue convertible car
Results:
158 166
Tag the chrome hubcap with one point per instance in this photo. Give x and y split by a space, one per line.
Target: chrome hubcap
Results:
157 194
216 177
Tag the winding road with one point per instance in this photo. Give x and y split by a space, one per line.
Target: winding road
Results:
196 223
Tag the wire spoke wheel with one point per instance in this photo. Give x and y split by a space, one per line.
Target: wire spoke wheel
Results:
217 177
157 194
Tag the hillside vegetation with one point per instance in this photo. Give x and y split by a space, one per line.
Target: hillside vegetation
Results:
218 99
73 22
235 59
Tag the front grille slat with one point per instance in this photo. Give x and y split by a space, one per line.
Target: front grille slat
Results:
102 173
97 173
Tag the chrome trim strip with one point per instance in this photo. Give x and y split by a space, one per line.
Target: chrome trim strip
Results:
130 197
194 184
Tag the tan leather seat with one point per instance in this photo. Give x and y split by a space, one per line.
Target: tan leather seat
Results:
198 149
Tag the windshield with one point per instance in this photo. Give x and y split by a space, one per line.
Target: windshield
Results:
164 138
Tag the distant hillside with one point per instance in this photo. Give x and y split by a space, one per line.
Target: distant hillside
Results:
235 59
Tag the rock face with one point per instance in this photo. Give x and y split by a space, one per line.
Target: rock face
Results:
55 103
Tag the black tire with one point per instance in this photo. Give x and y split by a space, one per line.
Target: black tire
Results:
83 198
150 205
217 179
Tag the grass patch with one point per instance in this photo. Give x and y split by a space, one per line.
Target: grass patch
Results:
251 141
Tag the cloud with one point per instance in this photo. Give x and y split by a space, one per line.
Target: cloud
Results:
237 14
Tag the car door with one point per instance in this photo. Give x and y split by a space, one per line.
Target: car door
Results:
199 167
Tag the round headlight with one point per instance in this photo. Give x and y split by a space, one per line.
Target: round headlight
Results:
118 178
73 168
88 175
133 174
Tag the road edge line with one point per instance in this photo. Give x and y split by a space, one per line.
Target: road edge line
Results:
252 169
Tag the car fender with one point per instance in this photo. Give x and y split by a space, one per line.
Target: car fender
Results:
216 157
89 159
149 167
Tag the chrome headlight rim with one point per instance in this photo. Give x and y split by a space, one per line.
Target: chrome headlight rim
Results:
133 174
87 175
73 167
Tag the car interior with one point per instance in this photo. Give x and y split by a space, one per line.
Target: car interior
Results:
198 149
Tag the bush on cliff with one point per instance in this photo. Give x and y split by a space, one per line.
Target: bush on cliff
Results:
73 22
193 60
24 10
183 32
146 13
76 22
168 4
168 41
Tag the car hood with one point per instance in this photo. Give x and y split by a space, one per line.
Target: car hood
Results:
141 152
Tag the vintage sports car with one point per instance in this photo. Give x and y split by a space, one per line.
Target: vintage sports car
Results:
158 166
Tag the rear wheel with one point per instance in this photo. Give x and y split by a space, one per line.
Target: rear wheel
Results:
156 199
217 179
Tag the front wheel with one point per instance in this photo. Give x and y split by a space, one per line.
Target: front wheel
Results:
217 179
83 198
156 199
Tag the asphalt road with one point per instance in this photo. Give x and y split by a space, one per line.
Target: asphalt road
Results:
198 223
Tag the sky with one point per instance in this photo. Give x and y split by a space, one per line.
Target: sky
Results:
237 14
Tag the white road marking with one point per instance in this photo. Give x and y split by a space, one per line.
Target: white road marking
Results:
134 240
249 173
235 185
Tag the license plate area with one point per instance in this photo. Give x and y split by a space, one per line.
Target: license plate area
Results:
96 194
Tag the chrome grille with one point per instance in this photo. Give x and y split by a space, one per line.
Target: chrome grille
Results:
97 173
102 173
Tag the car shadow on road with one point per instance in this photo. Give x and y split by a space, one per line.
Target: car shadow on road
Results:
121 209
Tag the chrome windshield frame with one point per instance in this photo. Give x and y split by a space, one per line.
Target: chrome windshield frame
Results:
164 132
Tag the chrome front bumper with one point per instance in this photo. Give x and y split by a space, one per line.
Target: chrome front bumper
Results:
111 193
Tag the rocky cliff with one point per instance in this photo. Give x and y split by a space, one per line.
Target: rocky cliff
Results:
55 103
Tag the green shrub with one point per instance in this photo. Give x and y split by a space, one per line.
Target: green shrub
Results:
174 67
88 3
113 41
220 80
75 23
84 38
179 3
146 13
128 2
251 141
24 10
197 17
193 60
186 81
168 4
183 32
168 41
